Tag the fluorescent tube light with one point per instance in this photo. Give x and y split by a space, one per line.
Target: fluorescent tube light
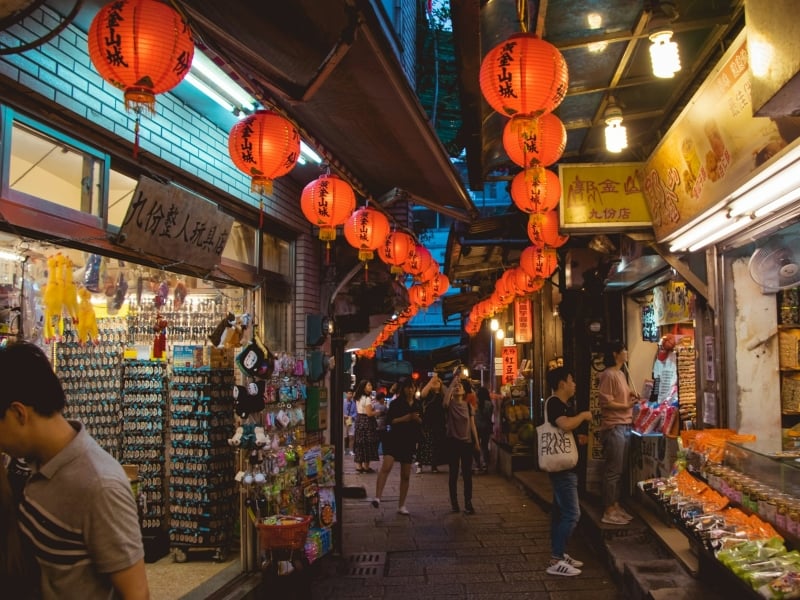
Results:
208 91
780 202
218 80
306 151
8 255
699 231
718 234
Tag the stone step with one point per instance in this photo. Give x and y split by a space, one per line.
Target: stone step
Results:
643 577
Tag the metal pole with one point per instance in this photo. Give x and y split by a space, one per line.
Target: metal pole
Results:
491 360
336 405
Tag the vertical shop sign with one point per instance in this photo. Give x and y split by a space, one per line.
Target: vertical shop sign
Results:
170 222
523 324
649 327
509 364
596 463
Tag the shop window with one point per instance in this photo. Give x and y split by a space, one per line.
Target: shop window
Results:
276 326
53 168
120 192
241 245
276 255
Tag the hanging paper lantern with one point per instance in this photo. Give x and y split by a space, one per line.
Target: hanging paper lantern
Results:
327 202
543 230
534 140
419 296
439 284
502 286
419 261
524 75
264 145
142 47
537 261
525 284
366 231
429 273
396 250
536 190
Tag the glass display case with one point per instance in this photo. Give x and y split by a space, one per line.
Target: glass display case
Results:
778 470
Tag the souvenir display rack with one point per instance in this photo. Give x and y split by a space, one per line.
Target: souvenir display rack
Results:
144 417
201 487
90 375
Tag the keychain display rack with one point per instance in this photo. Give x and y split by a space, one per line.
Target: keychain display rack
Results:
201 488
90 376
144 417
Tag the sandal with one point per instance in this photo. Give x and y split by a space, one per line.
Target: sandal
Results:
369 470
360 470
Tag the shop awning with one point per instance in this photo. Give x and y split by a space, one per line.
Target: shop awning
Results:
332 67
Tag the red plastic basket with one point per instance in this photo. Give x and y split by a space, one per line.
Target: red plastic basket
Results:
289 533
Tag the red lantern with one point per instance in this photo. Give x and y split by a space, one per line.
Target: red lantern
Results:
439 284
327 202
429 273
536 190
264 146
525 284
418 295
396 250
419 261
366 231
503 287
534 140
143 47
524 75
543 230
538 262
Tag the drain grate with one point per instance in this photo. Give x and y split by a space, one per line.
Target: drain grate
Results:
366 564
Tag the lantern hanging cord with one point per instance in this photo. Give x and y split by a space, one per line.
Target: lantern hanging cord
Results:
522 15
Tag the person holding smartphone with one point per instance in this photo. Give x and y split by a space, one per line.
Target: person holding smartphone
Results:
462 440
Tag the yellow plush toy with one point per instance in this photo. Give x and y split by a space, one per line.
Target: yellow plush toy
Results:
87 320
53 297
69 289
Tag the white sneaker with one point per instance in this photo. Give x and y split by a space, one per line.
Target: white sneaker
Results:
624 514
403 511
614 519
419 470
563 568
571 561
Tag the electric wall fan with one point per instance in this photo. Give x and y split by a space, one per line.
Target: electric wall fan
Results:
776 265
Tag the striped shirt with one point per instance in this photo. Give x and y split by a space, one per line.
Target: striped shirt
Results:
81 518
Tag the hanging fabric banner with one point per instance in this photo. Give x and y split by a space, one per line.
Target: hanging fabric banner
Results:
523 323
509 364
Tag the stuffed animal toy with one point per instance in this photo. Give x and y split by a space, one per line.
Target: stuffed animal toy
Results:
215 337
87 320
68 288
248 399
52 298
232 337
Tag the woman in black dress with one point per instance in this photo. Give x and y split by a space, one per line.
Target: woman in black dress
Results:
432 449
404 427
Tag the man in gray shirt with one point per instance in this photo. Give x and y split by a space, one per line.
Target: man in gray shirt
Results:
78 510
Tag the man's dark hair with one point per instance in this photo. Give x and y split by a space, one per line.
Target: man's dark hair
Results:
28 377
557 375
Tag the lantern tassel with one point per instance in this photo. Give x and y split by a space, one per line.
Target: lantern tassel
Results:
327 253
366 272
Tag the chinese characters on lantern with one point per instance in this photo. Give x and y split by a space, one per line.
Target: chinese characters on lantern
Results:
505 79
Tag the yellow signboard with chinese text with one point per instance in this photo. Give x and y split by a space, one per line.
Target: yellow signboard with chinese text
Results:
602 197
713 147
